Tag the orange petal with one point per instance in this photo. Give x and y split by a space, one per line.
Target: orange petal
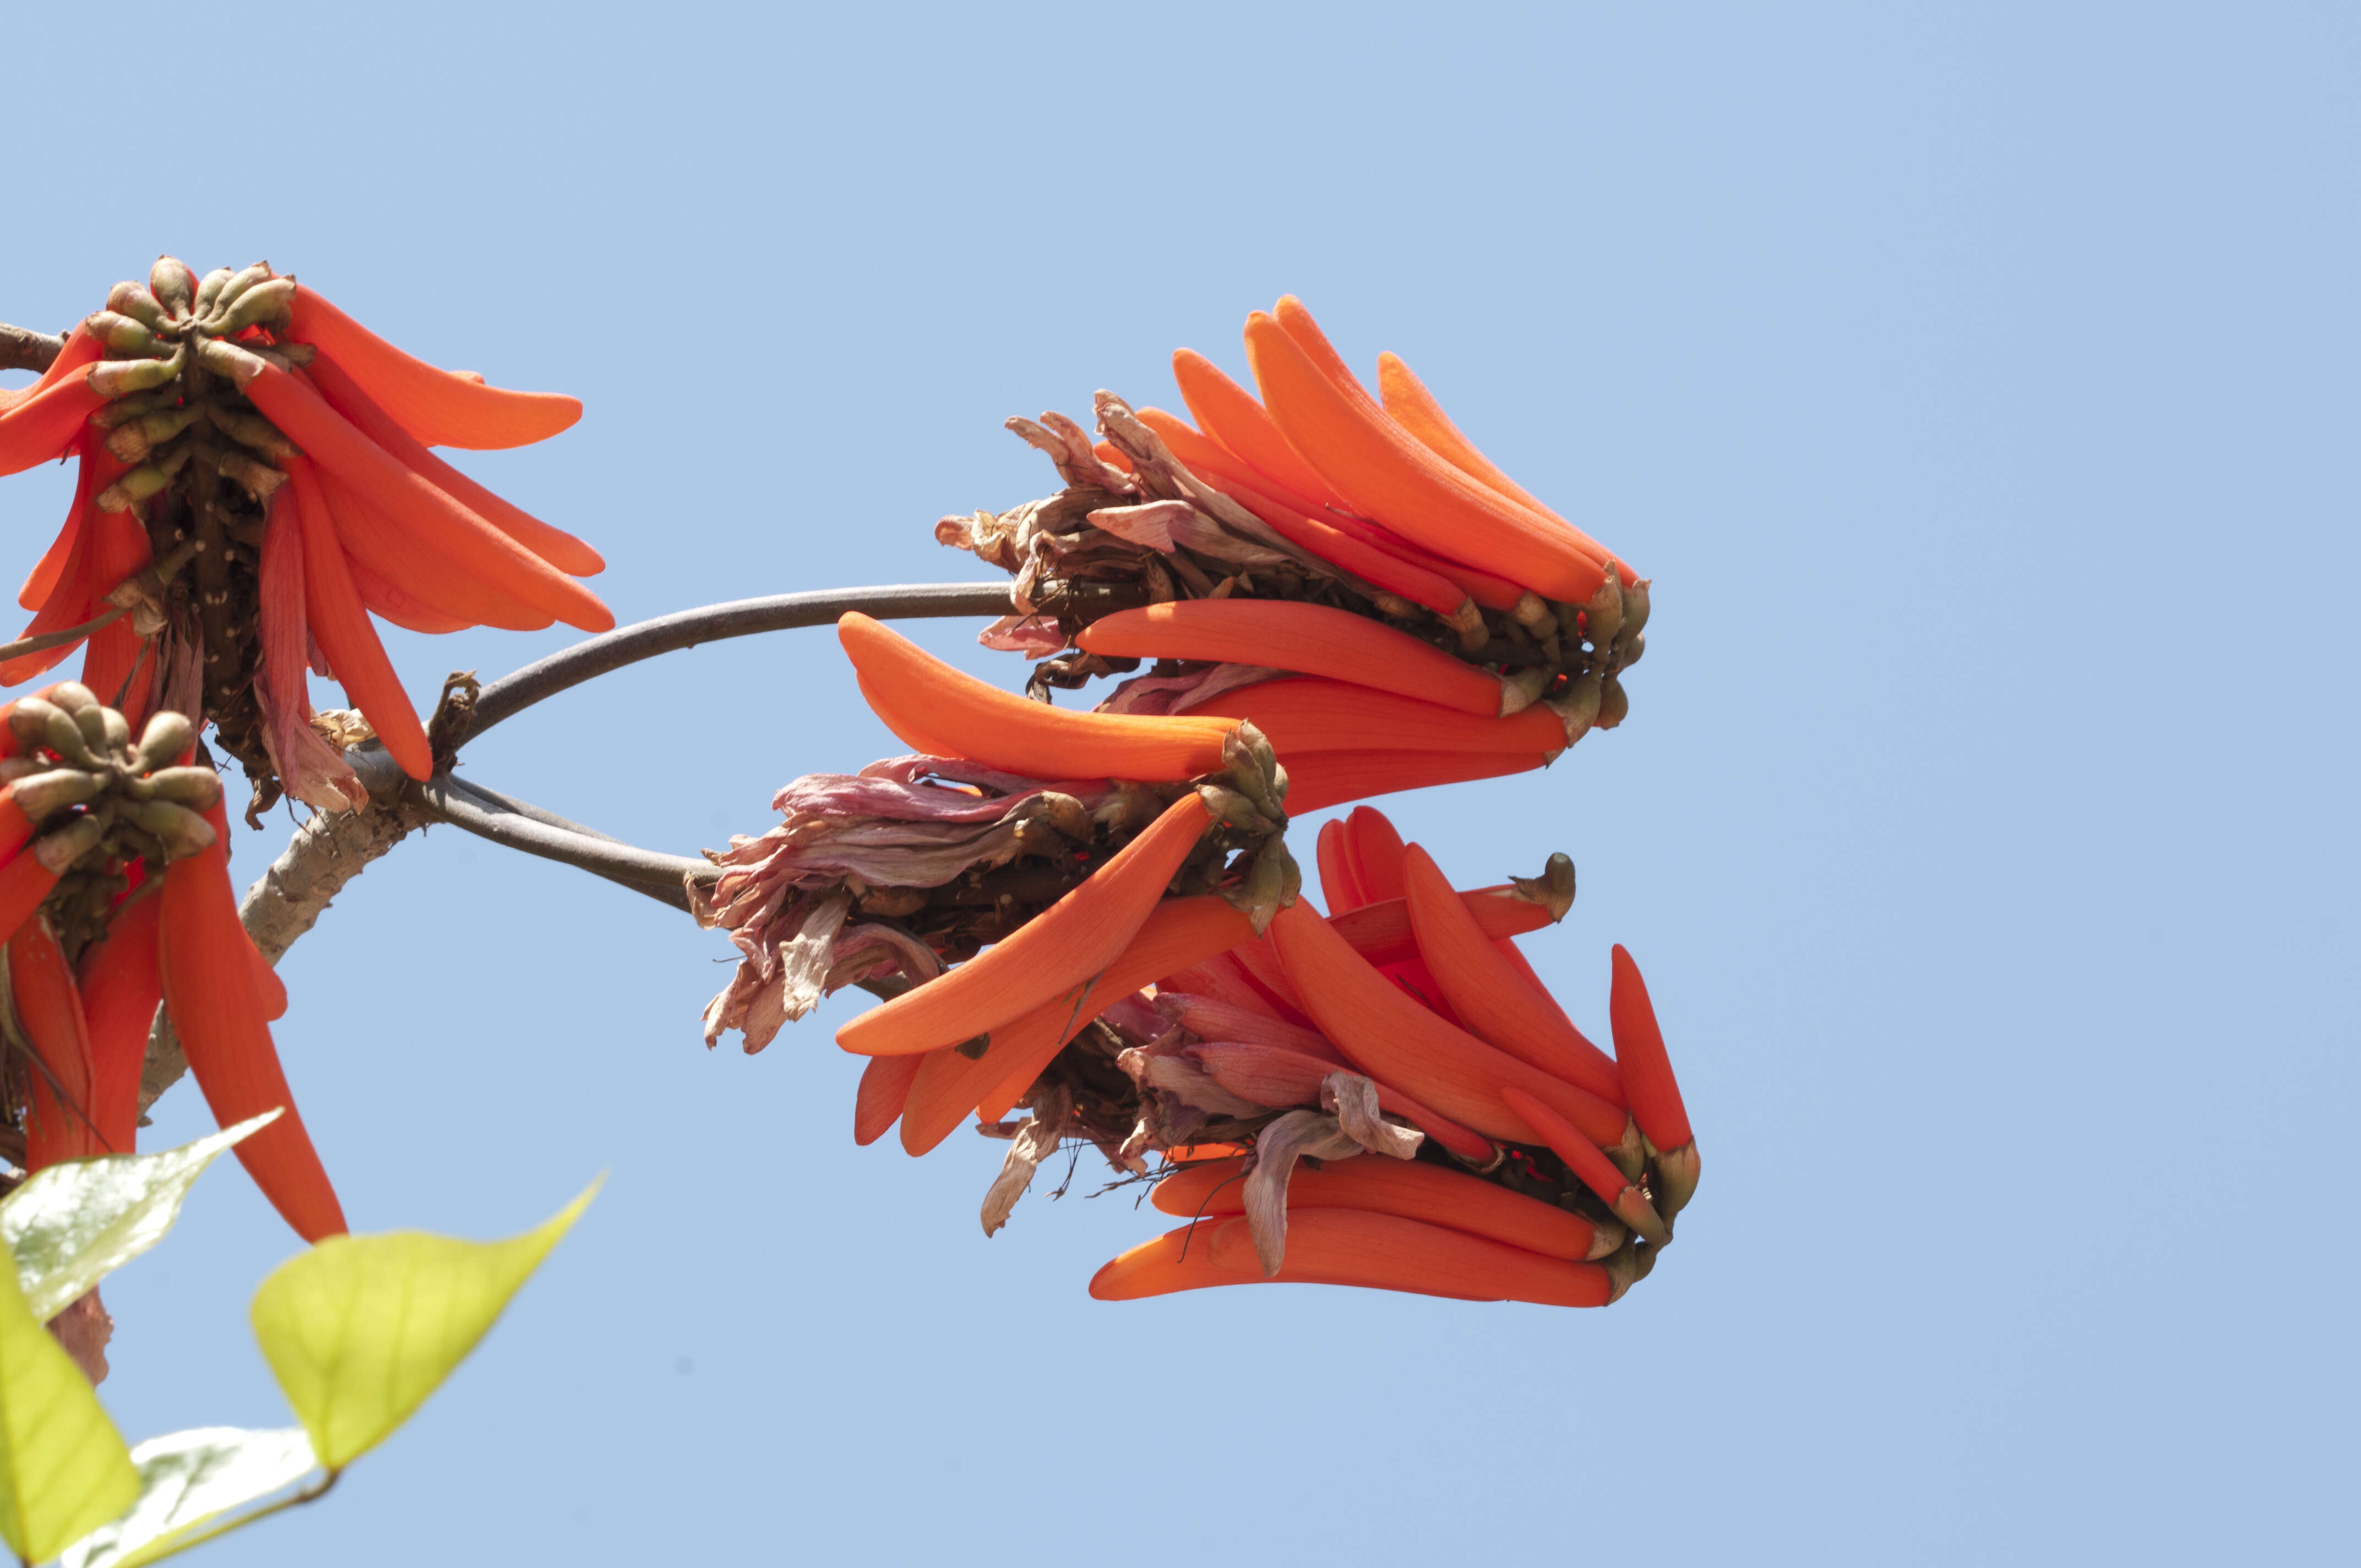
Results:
945 712
1065 945
1415 1189
1310 639
1496 1003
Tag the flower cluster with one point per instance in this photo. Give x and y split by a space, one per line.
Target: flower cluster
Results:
1348 571
115 894
1395 1071
255 482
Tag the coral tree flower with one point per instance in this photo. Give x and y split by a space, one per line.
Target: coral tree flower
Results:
1546 1172
1345 570
256 483
115 894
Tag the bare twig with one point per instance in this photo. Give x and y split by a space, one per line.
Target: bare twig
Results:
325 853
333 847
24 645
511 694
21 348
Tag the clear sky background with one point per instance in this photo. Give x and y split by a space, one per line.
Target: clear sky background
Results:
1976 383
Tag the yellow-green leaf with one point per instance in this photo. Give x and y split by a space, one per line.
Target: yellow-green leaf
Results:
72 1224
188 1479
63 1468
360 1330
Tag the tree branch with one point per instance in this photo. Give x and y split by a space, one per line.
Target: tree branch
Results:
511 694
333 847
21 348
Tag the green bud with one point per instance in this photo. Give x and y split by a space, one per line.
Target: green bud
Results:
92 722
228 361
114 378
58 851
1605 612
234 289
174 286
251 430
28 720
165 741
197 788
1614 704
118 731
73 696
53 791
266 304
65 738
130 300
182 831
121 334
209 289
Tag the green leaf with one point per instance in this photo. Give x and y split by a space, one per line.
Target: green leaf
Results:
360 1330
72 1224
186 1480
63 1468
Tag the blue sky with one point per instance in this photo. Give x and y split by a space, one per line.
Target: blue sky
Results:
1977 386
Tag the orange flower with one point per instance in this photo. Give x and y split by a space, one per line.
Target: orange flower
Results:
191 407
114 893
1450 626
1563 1201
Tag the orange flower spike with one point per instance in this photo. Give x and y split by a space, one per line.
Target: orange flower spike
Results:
342 627
1177 1260
1230 415
555 545
441 408
1379 565
885 1089
1648 1079
1493 1000
121 985
1307 714
1311 639
1338 883
946 712
411 500
41 986
1063 947
1180 931
1405 396
1381 932
1414 1190
1390 477
1394 1038
209 987
1595 1171
1317 780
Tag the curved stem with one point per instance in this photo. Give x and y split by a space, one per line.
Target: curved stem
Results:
611 651
491 817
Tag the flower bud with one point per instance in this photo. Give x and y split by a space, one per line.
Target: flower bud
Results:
129 299
1613 704
113 377
64 736
92 722
73 696
181 830
58 851
233 289
121 333
209 289
165 741
1605 612
28 720
54 790
173 285
266 304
